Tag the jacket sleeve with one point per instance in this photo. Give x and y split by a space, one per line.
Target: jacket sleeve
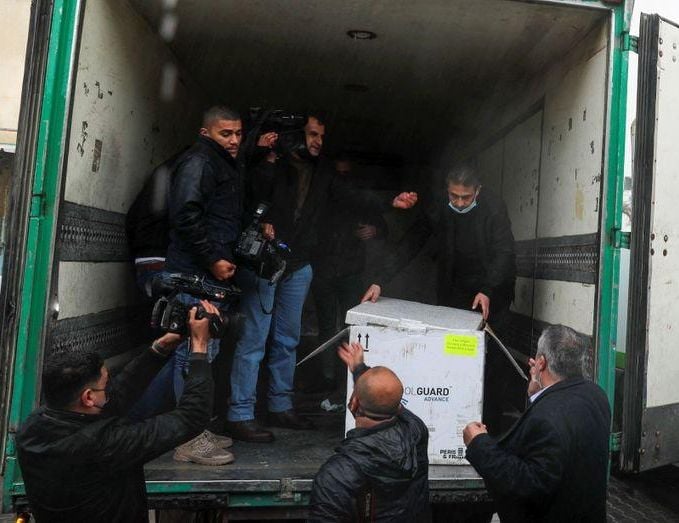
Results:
127 387
126 443
191 185
502 266
335 490
533 473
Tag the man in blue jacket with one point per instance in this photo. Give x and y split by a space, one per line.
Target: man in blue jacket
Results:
552 465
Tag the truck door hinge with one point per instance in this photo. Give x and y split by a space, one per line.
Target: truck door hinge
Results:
621 239
616 440
630 43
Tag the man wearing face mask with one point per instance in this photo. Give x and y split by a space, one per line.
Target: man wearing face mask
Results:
477 268
380 471
553 463
81 458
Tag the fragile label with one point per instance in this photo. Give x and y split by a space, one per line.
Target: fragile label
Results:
460 345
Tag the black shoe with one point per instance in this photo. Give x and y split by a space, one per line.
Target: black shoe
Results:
288 419
248 430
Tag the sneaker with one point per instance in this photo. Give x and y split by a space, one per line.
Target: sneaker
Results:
201 450
222 442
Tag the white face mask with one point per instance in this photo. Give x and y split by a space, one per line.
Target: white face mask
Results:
464 210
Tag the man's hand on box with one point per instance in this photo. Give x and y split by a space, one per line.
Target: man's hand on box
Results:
351 354
223 269
472 430
484 301
372 294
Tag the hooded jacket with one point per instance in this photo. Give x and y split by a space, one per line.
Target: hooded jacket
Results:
377 474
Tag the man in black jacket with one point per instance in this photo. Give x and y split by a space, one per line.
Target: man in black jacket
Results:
476 270
298 188
380 471
205 212
81 458
553 464
477 267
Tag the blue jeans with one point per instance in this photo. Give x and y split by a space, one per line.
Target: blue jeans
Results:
282 327
158 396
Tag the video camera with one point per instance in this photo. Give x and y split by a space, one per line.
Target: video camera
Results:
265 257
289 127
170 314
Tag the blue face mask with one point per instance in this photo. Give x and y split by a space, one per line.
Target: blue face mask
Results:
464 210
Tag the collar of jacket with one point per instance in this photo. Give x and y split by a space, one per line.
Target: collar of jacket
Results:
217 148
69 415
556 387
359 432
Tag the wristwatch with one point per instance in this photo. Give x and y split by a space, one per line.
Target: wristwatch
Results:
159 349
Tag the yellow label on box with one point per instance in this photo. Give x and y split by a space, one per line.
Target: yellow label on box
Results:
460 345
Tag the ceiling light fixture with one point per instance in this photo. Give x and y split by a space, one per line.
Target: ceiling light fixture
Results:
361 34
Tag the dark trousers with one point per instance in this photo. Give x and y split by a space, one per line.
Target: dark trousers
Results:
334 296
504 392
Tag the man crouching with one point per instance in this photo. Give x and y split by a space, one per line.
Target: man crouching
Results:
380 471
81 459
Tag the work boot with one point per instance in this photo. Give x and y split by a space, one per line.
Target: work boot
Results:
248 430
219 441
201 450
289 419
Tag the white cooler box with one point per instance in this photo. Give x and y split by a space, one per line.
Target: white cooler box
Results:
438 353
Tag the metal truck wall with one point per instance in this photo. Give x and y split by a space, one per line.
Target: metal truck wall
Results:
548 168
131 110
651 401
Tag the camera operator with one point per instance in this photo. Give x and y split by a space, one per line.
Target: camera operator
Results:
298 188
81 458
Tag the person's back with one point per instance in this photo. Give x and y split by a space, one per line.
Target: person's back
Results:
380 471
63 472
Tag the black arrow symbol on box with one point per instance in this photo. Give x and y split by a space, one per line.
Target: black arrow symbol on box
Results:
359 338
367 338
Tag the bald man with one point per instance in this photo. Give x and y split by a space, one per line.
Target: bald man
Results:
379 472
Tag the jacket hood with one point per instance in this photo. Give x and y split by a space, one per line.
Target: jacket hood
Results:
388 453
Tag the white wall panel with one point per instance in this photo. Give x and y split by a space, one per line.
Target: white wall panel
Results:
568 303
520 176
570 178
87 288
490 166
122 123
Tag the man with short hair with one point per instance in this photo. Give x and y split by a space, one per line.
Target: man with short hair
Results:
553 464
298 188
81 458
474 247
205 212
380 471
